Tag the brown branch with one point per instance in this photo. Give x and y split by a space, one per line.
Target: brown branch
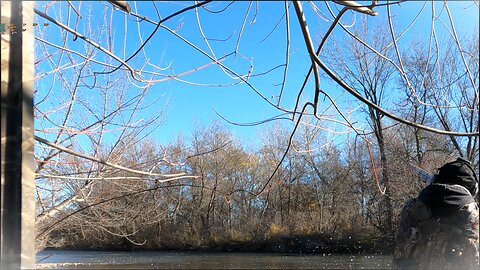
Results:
66 150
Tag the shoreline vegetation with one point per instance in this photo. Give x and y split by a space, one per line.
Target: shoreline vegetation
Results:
289 244
326 202
321 204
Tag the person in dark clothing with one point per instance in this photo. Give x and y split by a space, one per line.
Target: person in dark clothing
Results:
439 228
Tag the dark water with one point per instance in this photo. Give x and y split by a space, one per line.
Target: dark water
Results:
196 260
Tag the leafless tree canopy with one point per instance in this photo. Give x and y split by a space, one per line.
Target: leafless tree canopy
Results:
359 89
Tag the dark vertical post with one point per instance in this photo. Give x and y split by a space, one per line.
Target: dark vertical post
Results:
17 246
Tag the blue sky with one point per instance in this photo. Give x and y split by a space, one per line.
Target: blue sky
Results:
187 105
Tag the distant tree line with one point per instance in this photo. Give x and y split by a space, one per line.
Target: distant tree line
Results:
331 190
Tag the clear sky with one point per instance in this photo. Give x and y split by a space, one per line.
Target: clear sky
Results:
261 48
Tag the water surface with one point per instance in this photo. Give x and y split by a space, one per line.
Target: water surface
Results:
200 260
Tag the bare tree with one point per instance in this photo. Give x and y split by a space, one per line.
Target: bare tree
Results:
370 74
97 106
441 79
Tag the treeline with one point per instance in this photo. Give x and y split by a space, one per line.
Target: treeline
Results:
327 189
321 189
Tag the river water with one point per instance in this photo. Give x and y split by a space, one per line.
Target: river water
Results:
68 259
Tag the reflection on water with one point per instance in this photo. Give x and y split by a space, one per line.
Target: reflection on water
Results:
196 260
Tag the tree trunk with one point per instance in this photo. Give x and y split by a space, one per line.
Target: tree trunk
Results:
378 128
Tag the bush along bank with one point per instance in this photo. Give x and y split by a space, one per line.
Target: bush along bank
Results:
325 244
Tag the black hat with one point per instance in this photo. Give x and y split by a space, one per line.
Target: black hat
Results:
459 172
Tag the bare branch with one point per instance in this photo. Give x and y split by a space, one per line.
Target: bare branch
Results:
66 150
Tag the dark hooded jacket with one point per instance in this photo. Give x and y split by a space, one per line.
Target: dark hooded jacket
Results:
445 199
439 228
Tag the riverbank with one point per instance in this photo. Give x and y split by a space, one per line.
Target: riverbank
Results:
311 244
293 244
